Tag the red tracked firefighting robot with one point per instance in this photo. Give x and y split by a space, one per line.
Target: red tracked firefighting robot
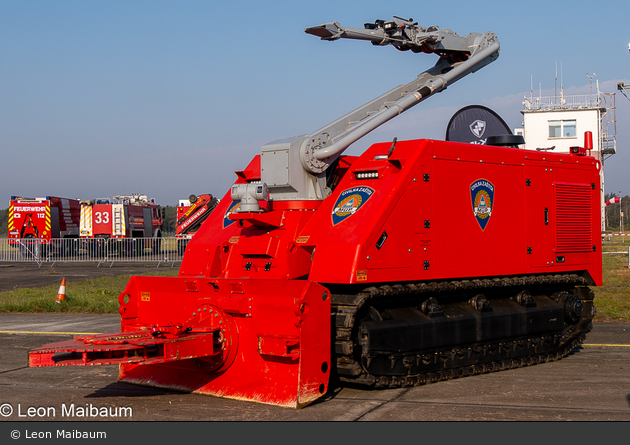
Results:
352 265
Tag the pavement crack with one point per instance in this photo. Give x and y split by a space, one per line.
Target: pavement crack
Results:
370 410
504 406
12 370
380 405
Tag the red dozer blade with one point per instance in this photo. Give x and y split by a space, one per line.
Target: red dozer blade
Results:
260 340
145 346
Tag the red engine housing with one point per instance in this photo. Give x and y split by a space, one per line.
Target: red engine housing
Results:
417 215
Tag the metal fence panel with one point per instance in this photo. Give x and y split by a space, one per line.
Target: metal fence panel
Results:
160 250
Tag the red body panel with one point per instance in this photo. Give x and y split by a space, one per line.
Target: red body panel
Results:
102 217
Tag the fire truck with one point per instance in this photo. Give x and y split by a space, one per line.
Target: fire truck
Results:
122 217
44 219
191 213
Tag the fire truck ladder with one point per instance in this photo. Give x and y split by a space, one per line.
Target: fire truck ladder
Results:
118 222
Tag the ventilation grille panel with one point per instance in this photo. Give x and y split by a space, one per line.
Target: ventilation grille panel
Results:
573 218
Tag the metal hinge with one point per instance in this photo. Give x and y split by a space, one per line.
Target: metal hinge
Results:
426 265
248 265
426 177
427 224
528 182
529 251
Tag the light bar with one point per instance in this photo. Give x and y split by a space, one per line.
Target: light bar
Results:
367 175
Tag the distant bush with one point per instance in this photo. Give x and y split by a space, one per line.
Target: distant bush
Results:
4 221
169 223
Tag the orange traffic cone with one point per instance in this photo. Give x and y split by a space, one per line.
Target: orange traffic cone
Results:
61 295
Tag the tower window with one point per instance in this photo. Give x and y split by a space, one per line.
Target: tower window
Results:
562 129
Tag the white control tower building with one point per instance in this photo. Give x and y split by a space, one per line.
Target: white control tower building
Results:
557 123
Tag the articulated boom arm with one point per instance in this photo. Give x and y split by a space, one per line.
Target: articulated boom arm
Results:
295 169
402 34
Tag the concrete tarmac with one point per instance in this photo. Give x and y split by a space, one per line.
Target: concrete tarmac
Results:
29 275
591 384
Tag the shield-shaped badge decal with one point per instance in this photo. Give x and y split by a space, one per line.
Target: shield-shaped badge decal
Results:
349 201
478 128
231 209
482 195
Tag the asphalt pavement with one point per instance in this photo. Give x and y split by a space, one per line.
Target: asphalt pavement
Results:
591 384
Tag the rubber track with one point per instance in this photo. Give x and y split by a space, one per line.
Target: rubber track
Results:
345 308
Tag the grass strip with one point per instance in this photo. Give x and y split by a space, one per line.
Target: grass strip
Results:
93 296
100 295
612 300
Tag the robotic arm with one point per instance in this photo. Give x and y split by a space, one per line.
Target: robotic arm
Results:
295 168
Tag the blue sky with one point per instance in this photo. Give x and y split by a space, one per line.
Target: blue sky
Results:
100 98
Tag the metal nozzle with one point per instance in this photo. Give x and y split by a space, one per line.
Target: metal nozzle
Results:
334 31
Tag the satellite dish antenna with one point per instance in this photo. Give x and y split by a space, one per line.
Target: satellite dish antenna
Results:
474 124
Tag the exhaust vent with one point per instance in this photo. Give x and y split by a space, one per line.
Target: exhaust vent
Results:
573 218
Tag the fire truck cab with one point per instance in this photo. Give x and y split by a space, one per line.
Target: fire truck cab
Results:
43 218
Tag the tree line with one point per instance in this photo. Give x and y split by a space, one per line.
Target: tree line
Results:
4 223
613 213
